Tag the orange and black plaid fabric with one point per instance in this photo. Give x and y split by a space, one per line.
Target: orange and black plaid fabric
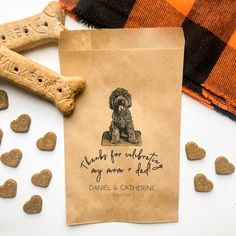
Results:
210 34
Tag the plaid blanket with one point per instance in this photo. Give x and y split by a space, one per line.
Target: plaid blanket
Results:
210 33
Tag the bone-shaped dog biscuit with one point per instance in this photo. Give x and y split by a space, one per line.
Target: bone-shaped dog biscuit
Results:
34 31
40 80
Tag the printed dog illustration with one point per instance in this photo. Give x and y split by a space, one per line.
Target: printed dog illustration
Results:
122 124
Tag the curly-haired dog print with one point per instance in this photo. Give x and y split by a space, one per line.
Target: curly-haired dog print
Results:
121 130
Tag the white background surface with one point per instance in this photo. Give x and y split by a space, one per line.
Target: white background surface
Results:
199 214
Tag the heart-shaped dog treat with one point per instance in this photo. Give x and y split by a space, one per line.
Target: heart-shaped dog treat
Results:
47 142
42 179
8 189
3 100
21 124
11 158
194 152
1 135
202 184
34 205
223 166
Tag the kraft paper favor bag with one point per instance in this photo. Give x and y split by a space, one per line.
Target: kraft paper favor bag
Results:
122 141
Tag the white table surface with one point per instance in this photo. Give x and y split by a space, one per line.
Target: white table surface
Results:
199 214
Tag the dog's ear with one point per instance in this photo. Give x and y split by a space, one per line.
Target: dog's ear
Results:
128 99
111 101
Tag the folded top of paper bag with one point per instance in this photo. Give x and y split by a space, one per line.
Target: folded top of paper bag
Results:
163 38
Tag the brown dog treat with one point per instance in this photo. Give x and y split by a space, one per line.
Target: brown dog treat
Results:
34 31
42 179
58 89
1 135
47 142
34 205
21 124
3 100
223 166
11 158
202 184
194 152
8 189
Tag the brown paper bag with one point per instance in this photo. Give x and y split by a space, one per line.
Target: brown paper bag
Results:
122 142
